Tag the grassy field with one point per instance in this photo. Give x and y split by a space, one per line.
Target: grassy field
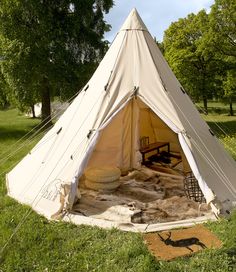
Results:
40 245
224 126
215 108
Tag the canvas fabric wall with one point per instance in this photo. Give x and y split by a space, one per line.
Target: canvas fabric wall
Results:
132 67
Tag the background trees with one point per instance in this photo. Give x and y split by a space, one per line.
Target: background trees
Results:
191 61
50 47
222 35
201 50
3 92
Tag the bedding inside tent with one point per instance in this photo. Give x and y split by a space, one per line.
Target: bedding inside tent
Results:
150 191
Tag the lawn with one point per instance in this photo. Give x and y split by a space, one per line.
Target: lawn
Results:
215 108
224 126
40 245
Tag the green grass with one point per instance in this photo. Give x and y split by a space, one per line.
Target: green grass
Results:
40 245
215 108
224 127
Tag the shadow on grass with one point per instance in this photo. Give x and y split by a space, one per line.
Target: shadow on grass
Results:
219 110
223 129
230 252
13 133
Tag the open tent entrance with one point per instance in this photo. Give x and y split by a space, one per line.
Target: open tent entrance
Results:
120 142
152 187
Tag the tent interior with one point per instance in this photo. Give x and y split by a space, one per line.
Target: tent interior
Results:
152 186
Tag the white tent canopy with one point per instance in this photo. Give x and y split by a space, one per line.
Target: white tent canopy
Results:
102 125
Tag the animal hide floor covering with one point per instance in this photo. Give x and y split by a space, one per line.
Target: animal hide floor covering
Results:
143 198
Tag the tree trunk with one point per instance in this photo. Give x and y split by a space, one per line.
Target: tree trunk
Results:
205 105
33 111
204 92
231 110
46 104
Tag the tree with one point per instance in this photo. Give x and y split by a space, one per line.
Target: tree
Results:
160 45
229 85
223 27
3 92
194 64
46 45
222 36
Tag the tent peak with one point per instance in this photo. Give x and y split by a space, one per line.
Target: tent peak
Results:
134 22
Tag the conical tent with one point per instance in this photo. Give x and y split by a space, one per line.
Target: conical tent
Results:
132 87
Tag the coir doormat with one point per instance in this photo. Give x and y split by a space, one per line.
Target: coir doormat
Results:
168 245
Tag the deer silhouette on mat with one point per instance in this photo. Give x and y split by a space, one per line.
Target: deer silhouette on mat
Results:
182 242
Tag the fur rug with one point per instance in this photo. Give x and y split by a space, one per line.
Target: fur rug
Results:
144 196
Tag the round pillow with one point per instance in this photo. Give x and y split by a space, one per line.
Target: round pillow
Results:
102 186
103 174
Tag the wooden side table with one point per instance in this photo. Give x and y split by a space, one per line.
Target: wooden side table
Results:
154 146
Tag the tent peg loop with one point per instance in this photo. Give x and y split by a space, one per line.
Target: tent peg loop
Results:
135 94
105 87
212 133
86 88
58 132
90 133
183 90
184 132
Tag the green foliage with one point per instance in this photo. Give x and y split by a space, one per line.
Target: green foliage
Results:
201 51
223 27
50 45
229 85
222 36
3 92
193 63
40 245
160 45
224 126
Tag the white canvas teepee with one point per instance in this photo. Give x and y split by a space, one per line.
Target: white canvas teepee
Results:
102 126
